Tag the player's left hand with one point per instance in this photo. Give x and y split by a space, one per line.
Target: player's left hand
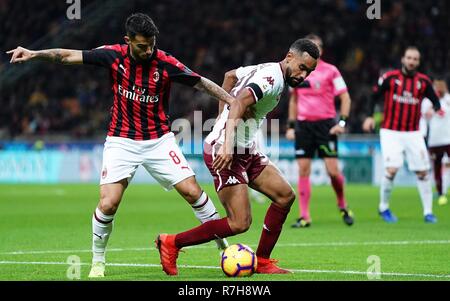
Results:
441 113
223 159
337 130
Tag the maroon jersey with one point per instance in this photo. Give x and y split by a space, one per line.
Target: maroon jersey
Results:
141 90
403 95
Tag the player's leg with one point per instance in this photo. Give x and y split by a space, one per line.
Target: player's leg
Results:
392 153
238 220
260 141
167 164
119 165
304 191
271 183
102 223
419 162
436 154
201 204
337 181
304 152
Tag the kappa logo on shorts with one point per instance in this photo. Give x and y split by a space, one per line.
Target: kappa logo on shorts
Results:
104 173
232 180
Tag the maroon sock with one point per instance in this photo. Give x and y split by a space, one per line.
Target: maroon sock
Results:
438 176
338 186
218 228
273 222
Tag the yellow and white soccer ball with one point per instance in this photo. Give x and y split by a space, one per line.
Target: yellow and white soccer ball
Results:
238 260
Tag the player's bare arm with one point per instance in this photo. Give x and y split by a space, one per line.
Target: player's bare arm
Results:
237 109
57 55
292 116
229 81
345 111
213 90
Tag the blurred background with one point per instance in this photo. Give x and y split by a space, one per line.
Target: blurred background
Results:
66 108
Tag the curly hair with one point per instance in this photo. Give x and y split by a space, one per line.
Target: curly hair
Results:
142 24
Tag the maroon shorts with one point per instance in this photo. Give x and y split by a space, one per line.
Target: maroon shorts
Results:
246 165
437 152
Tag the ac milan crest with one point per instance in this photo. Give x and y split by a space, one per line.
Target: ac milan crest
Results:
156 76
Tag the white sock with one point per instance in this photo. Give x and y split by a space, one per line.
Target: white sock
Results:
385 193
426 194
102 226
204 209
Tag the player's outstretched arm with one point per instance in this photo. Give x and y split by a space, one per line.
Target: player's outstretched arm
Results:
57 55
213 90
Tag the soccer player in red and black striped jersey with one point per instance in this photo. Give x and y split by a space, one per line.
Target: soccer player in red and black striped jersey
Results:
139 131
403 91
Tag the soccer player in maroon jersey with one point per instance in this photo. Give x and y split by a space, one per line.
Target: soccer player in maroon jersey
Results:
403 91
234 162
139 132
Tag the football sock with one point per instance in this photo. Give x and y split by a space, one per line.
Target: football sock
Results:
102 225
338 186
273 223
204 209
385 192
438 176
445 179
304 189
426 194
218 228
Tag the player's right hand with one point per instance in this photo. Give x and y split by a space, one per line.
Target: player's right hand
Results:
20 55
290 134
223 159
369 124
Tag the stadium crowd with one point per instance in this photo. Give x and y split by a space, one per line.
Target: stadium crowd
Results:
211 38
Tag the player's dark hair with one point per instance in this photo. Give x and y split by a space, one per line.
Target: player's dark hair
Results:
142 24
306 45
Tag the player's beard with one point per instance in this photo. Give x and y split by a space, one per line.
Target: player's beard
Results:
407 71
293 82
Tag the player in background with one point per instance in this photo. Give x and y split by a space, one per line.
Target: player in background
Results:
438 136
235 163
139 132
312 124
403 91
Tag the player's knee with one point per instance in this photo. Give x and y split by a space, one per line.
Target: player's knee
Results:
286 199
240 225
422 175
108 205
390 173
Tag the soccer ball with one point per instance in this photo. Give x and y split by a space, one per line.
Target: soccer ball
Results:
238 261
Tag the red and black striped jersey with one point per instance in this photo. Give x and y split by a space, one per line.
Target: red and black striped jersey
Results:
141 90
403 95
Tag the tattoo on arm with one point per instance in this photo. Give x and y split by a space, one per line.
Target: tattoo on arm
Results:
213 90
52 55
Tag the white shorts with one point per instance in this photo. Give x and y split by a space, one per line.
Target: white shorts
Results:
395 145
162 158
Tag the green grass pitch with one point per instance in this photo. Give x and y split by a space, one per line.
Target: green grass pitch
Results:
42 225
